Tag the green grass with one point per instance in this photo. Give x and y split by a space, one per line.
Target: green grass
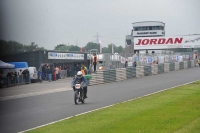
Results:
176 110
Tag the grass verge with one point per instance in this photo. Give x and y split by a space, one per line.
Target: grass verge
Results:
176 110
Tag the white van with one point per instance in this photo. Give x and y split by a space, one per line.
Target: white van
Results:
33 73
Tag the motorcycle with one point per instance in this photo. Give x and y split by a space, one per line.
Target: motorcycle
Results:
79 93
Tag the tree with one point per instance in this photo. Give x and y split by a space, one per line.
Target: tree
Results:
92 45
11 47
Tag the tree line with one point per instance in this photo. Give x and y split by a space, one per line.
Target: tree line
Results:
11 47
89 46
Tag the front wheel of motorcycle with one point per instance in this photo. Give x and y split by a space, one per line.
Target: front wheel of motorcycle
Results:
82 97
76 99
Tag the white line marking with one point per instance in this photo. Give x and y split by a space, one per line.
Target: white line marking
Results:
107 106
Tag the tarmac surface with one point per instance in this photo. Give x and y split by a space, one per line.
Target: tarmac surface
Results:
28 106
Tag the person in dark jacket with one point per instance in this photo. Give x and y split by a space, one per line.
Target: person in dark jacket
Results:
49 73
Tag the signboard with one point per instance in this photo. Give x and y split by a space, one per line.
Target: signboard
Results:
72 56
149 59
123 60
179 58
161 59
192 41
130 61
166 58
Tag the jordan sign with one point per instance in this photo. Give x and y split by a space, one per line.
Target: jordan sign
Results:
167 42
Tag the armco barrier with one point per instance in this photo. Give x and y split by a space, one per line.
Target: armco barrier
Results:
181 65
176 66
160 68
189 64
154 69
140 71
147 70
130 72
185 64
171 66
120 74
113 75
166 67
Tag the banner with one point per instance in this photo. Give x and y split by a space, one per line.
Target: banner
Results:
192 41
149 59
130 61
73 56
123 60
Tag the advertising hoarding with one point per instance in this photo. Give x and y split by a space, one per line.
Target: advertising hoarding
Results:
73 56
142 43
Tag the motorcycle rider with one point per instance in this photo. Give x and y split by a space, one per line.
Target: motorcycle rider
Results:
80 78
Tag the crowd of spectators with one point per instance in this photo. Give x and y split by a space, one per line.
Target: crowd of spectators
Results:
15 78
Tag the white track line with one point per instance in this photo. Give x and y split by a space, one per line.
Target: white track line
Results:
106 107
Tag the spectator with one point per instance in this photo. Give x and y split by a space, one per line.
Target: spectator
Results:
199 62
1 81
54 74
49 73
135 64
9 79
110 65
83 72
12 78
27 76
77 69
16 78
94 61
20 77
57 72
126 64
195 55
24 76
40 75
68 69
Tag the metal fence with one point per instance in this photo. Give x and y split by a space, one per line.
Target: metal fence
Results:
113 61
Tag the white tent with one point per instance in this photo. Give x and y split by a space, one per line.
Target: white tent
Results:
6 65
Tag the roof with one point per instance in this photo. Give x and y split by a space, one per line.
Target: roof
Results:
148 21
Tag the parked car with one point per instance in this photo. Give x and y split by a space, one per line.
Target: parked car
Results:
33 74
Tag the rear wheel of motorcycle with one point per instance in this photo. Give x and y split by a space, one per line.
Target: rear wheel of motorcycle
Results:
76 97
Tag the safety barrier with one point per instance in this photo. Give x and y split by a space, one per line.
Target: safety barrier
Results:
120 74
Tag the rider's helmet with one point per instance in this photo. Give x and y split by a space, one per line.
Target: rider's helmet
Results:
79 74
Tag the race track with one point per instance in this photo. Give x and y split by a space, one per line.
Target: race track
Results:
28 112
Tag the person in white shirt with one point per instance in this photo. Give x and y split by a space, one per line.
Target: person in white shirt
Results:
20 75
57 71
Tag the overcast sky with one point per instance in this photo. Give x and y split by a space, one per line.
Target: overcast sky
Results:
52 22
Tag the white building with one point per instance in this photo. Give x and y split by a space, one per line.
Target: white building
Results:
148 29
144 29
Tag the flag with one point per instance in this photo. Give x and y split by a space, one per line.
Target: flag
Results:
100 42
80 49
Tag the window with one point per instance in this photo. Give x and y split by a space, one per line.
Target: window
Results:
150 27
135 29
157 27
153 27
143 28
